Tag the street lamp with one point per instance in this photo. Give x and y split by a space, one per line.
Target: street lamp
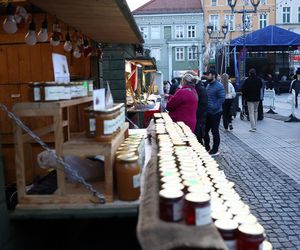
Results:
196 51
246 24
210 31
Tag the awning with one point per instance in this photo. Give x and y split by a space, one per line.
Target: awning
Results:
270 38
148 63
105 21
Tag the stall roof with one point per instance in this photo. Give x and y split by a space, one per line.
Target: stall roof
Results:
149 63
106 21
270 38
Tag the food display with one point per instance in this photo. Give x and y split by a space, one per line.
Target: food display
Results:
128 168
52 91
195 191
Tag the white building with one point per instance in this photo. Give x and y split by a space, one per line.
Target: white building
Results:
288 15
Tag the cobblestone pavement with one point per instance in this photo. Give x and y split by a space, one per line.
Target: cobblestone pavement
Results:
272 195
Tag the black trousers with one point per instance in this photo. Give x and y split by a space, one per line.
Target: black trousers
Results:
296 101
212 124
227 114
200 131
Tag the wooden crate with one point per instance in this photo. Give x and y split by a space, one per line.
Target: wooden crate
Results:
65 144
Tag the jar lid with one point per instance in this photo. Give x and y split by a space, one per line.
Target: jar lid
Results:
125 152
173 185
266 245
197 197
226 191
231 197
189 183
245 219
191 177
235 203
165 173
171 193
226 224
239 211
127 157
200 189
252 229
171 179
218 208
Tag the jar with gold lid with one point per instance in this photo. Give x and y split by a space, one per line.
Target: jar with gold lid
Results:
128 175
250 236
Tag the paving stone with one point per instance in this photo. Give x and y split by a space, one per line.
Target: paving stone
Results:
272 195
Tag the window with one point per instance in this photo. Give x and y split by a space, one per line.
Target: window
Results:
179 54
298 14
247 24
264 2
262 20
214 21
192 55
155 52
144 31
179 31
286 18
229 20
213 2
247 2
191 31
155 32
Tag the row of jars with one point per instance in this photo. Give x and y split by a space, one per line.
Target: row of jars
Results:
194 189
128 168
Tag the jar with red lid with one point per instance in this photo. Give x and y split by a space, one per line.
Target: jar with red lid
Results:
228 230
250 237
197 209
171 205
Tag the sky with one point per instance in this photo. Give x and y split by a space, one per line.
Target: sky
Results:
134 4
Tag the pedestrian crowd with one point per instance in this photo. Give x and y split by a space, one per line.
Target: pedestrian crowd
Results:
201 103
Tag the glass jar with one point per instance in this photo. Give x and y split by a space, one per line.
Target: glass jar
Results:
228 230
197 209
245 219
91 123
221 215
128 174
239 211
250 237
171 205
267 245
173 186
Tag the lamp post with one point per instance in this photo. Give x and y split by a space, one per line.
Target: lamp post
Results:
246 23
217 35
199 54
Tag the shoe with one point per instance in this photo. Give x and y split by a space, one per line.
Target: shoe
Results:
226 129
214 152
230 127
252 130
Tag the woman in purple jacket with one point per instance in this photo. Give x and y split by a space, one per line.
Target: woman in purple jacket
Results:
183 105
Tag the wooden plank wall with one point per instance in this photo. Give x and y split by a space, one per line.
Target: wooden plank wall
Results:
21 64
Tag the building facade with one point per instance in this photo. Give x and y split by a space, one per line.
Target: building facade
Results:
288 15
173 33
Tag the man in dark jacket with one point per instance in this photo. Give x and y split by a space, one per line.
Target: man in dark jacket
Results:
216 97
174 86
201 111
295 85
252 93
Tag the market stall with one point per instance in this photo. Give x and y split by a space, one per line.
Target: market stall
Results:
54 100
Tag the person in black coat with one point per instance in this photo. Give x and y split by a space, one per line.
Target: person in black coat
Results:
201 111
252 93
174 86
295 85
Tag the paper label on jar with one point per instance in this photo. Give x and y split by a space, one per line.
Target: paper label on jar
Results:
177 210
92 123
51 94
36 94
137 181
231 244
203 216
261 246
108 127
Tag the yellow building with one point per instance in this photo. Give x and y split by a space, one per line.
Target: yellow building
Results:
218 13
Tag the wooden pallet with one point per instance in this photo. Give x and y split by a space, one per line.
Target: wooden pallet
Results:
65 144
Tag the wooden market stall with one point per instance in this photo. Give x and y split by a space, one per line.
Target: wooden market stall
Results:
97 21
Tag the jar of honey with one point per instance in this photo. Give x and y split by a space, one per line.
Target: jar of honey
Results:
228 230
197 209
91 123
250 237
171 205
128 174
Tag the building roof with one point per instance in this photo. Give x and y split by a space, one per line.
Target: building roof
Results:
169 6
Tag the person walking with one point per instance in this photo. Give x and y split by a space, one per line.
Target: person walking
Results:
252 93
228 104
201 110
216 98
183 105
295 85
